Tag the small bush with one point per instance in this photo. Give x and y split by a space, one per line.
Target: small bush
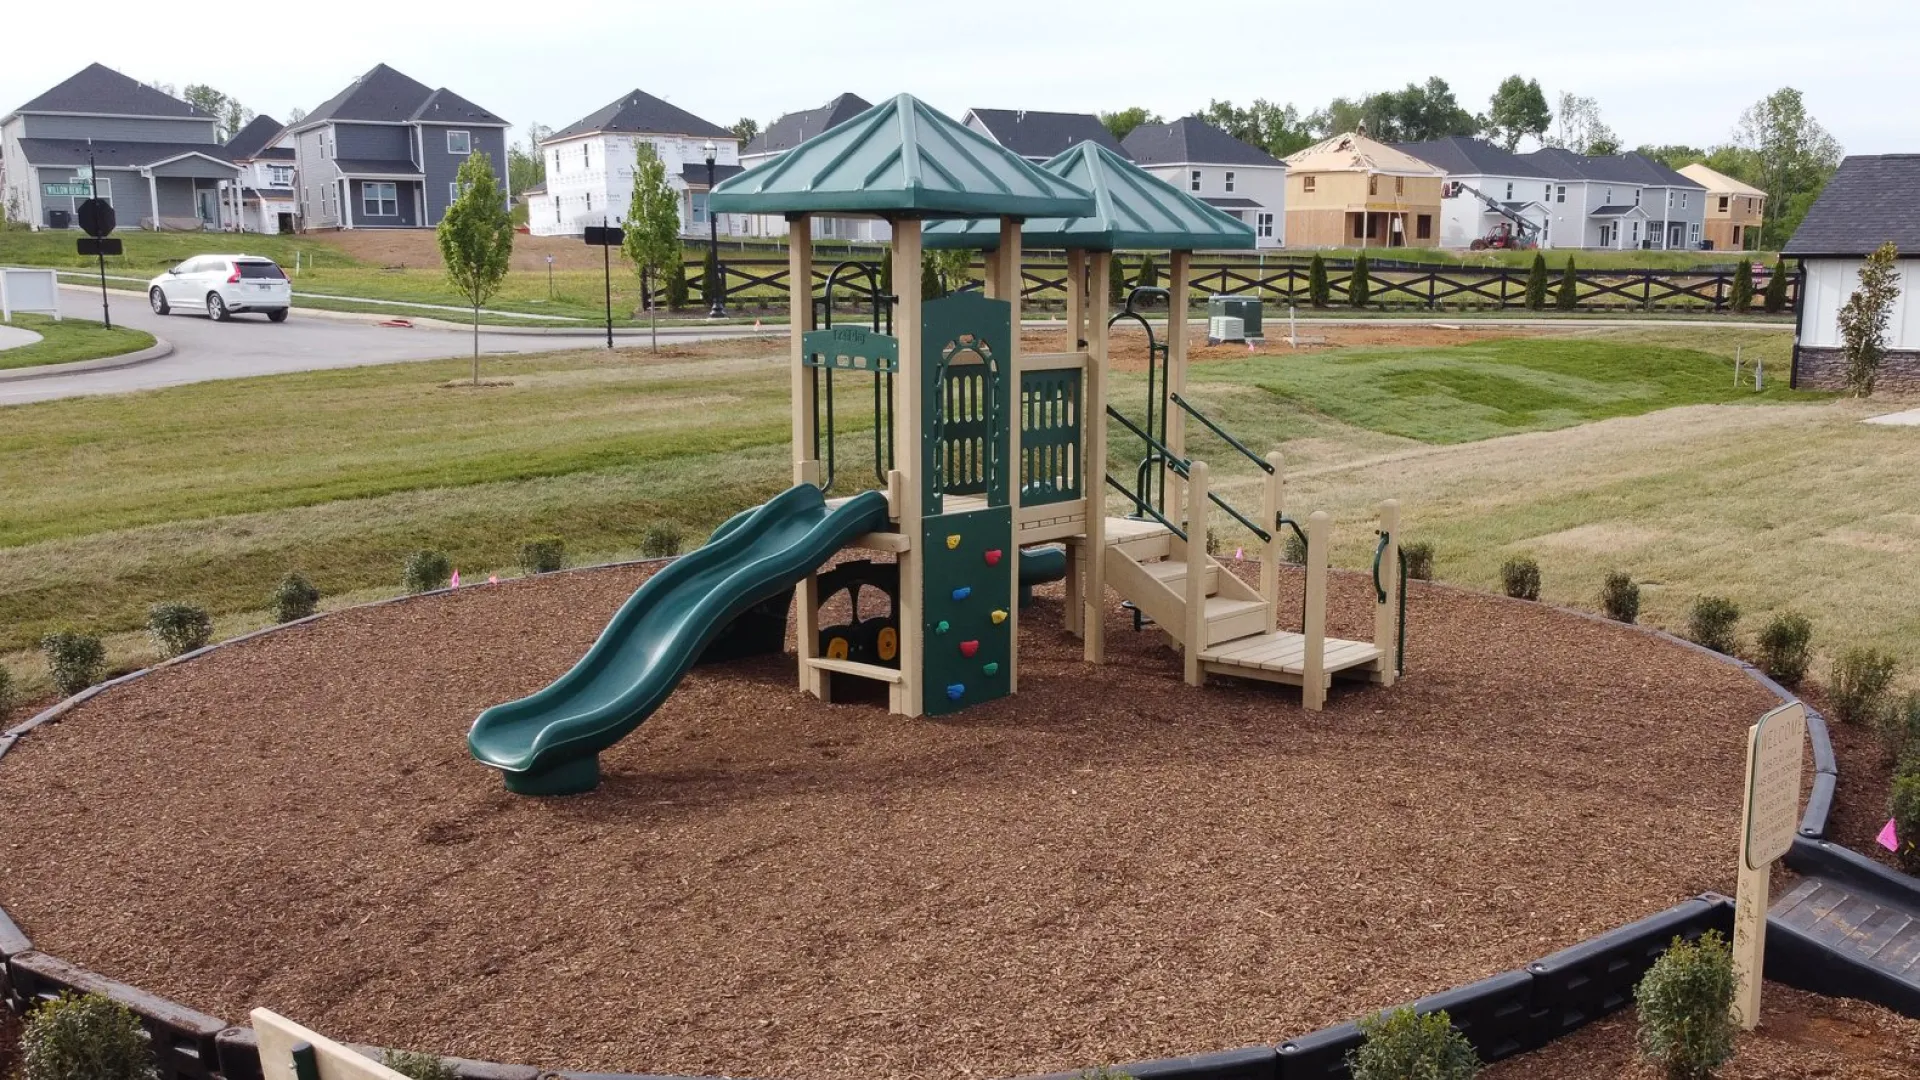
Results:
1213 541
1899 728
1403 1044
1295 549
1521 578
1568 298
1620 597
1742 299
1775 298
676 285
1319 294
1116 279
294 598
1903 805
1784 651
1419 556
543 554
88 1037
661 540
1149 273
426 570
1714 621
1859 684
1360 284
178 628
1684 1002
74 660
1537 283
418 1066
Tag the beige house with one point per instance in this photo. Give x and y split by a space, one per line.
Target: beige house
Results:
1351 191
1734 209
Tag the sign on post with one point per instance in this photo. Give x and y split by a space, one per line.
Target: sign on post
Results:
1776 756
606 238
37 291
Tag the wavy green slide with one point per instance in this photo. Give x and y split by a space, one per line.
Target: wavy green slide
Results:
550 743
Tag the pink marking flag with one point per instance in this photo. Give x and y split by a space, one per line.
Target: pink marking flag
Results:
455 583
493 579
1888 838
1239 554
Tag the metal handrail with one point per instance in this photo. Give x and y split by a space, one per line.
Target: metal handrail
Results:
1380 596
1144 507
1256 530
1265 465
1174 461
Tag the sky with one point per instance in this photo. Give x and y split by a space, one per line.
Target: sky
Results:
1684 79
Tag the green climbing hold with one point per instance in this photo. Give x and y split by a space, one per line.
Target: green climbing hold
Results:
990 669
940 627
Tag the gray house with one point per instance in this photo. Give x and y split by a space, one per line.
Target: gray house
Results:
1619 201
157 159
1040 136
383 153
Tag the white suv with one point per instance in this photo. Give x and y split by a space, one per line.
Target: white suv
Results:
223 285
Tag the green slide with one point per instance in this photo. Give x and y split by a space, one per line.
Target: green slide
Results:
550 743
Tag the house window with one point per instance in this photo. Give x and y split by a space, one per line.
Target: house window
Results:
280 175
1683 200
1509 191
1263 225
1399 185
379 200
589 200
1563 193
556 162
1636 196
329 146
1193 181
586 155
1608 201
1726 200
1306 183
459 142
1423 227
453 191
698 214
1359 225
1669 200
1373 185
1693 233
1229 181
1636 234
556 211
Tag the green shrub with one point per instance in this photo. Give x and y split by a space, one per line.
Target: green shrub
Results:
178 628
1419 556
1784 652
1899 724
1742 299
1213 541
1521 577
1360 285
543 554
88 1037
1569 296
1714 621
1537 283
6 692
1318 293
1859 684
1775 300
1403 1045
930 287
74 660
1295 549
426 570
418 1066
661 540
1149 273
676 284
1116 279
1903 805
1620 597
1684 1002
713 281
294 598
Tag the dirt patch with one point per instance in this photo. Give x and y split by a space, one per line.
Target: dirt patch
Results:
1110 866
1803 1035
1601 537
1127 347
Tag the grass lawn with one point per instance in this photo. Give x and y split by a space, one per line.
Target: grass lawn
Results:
209 493
67 341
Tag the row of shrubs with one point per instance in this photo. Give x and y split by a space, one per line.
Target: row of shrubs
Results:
1565 296
1684 1002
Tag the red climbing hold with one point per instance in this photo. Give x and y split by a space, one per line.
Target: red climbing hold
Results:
993 557
968 648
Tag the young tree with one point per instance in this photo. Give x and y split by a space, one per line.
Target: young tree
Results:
652 240
1569 296
476 240
1673 155
930 285
1864 317
745 129
1360 285
232 115
1537 283
953 266
1318 294
1792 155
1121 124
1518 110
1742 297
1580 128
527 166
1149 273
1776 295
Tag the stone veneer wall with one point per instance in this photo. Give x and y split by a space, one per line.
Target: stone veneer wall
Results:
1826 369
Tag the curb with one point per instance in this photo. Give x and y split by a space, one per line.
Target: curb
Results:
160 349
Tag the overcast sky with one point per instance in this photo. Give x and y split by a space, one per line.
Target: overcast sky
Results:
1683 78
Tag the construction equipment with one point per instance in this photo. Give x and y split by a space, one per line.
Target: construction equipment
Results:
1515 232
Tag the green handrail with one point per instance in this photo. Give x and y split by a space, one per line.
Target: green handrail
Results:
1380 597
1265 465
1148 510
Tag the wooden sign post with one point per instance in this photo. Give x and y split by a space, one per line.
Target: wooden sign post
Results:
1776 753
291 1052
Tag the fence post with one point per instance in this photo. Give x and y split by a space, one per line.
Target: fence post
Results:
1313 674
1646 290
1196 599
1432 276
1719 292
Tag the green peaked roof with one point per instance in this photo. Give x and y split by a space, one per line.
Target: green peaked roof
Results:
901 157
1133 210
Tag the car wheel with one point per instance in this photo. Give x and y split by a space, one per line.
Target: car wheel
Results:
277 315
217 308
159 300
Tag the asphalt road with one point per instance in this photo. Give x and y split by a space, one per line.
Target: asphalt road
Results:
250 345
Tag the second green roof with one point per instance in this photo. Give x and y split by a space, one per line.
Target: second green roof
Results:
1133 211
901 158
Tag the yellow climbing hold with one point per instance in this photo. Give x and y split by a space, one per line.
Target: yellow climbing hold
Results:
999 617
953 541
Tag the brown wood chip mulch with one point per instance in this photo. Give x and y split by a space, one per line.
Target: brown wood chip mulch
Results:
1110 866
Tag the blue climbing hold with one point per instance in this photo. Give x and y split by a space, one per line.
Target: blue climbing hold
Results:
956 691
963 592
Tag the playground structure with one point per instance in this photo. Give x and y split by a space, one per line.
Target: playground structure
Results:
980 453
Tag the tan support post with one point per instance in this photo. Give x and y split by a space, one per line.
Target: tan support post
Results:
1271 507
1008 267
806 470
905 696
1196 600
1180 271
1077 548
1093 446
1313 676
1386 613
990 287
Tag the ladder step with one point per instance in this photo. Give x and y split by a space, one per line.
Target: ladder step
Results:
1173 575
1228 619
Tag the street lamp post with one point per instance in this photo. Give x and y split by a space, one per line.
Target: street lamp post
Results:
716 278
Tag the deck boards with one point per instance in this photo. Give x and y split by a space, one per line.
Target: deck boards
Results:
1286 651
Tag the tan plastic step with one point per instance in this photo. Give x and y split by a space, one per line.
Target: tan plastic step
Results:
1140 540
1229 619
1173 574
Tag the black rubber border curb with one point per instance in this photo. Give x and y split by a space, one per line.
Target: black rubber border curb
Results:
1511 1013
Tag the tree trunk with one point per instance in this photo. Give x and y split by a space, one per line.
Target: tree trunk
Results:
653 320
476 344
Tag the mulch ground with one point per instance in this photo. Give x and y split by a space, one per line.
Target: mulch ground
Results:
1109 866
1801 1035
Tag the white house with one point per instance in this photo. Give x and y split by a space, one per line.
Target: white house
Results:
590 166
1244 181
1488 190
263 198
1041 136
1869 202
1618 201
790 131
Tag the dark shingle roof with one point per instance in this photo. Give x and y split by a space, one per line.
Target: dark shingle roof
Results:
1868 202
1461 155
1191 140
695 174
1629 168
376 167
1620 210
1042 135
385 95
112 155
251 141
100 89
797 127
640 112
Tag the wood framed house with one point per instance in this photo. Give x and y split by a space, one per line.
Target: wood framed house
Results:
262 199
1041 136
591 162
155 158
1240 180
788 132
1735 211
1352 191
1869 202
383 153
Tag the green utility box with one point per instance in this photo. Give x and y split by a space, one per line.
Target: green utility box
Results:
1244 308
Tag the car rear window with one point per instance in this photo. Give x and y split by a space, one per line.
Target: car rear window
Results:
251 271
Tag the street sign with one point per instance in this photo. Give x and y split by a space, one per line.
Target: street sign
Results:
606 236
90 245
96 217
1776 756
68 191
84 172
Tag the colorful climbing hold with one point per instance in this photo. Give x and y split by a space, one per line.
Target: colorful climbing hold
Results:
968 648
963 592
993 557
999 617
953 541
940 627
990 668
955 691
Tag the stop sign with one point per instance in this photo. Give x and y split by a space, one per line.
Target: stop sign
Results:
96 217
